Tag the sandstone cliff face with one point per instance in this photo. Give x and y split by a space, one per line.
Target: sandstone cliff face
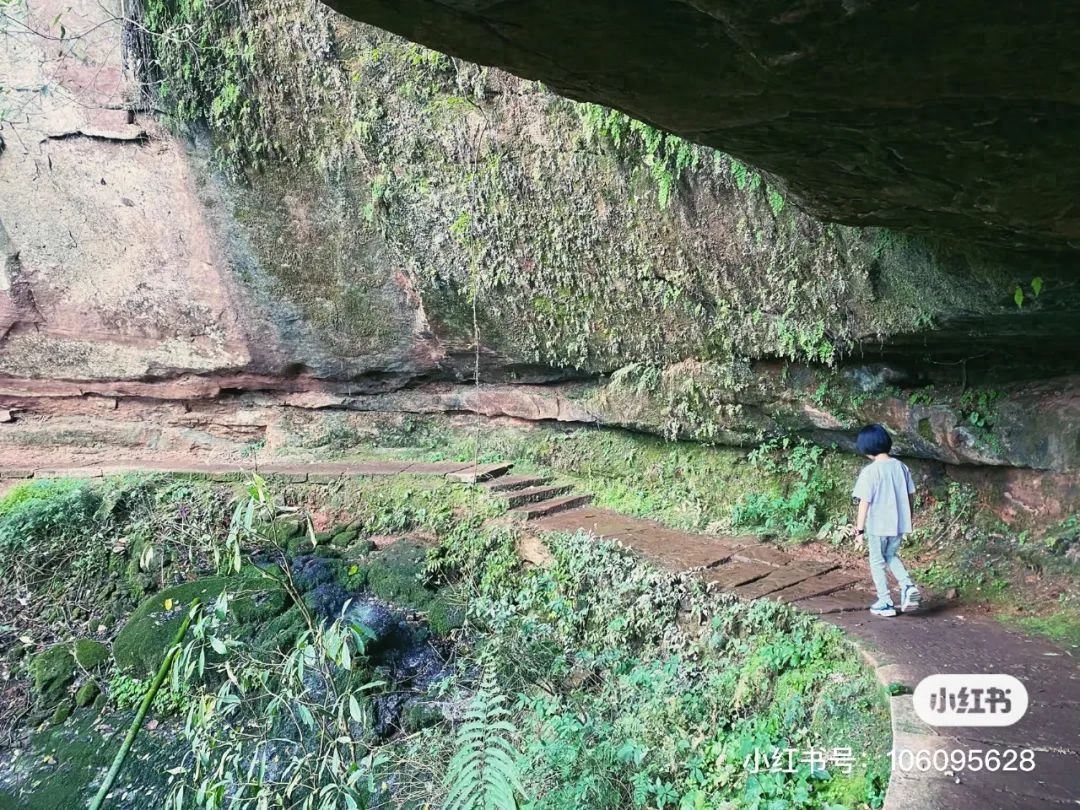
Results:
958 118
360 210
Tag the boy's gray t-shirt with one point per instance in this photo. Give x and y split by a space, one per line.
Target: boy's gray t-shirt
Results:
886 486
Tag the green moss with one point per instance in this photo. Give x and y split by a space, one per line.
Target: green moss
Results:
144 639
345 537
87 694
418 716
62 712
281 632
90 654
54 671
281 532
64 762
396 574
445 613
360 549
1061 627
353 576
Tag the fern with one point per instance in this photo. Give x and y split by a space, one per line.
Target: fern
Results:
483 774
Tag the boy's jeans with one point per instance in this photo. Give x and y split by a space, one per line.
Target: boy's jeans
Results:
883 553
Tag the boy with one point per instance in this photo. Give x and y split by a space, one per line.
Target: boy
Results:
886 496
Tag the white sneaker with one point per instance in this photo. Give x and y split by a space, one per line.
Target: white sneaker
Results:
910 599
883 610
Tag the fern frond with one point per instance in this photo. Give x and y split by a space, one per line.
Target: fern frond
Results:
483 774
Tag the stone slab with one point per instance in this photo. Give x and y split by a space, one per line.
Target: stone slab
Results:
69 472
761 553
677 551
817 586
535 510
735 574
601 522
781 578
520 497
474 474
506 483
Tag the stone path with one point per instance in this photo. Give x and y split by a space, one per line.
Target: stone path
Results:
319 472
938 639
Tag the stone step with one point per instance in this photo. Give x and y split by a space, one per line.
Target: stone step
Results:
782 578
520 497
734 574
679 551
758 552
475 473
849 599
817 586
535 510
511 482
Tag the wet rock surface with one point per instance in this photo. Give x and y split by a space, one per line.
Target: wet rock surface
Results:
58 764
873 114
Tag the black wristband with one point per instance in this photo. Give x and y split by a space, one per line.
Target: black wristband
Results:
860 531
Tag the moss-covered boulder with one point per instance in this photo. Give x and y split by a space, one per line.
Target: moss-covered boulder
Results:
419 715
396 574
90 654
61 713
359 549
280 633
445 612
87 694
281 532
345 537
53 672
145 638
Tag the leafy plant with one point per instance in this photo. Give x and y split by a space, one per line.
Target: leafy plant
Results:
43 528
666 156
799 508
126 692
483 773
289 729
979 407
1018 292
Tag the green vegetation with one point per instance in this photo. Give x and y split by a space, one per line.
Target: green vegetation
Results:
684 484
1060 625
1018 292
676 706
801 506
645 694
203 68
126 692
596 681
792 494
396 148
667 156
482 772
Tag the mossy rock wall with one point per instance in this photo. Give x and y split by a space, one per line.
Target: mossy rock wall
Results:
378 188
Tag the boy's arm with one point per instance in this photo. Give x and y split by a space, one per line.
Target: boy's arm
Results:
910 494
860 520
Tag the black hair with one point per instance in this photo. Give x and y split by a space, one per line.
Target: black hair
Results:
873 440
